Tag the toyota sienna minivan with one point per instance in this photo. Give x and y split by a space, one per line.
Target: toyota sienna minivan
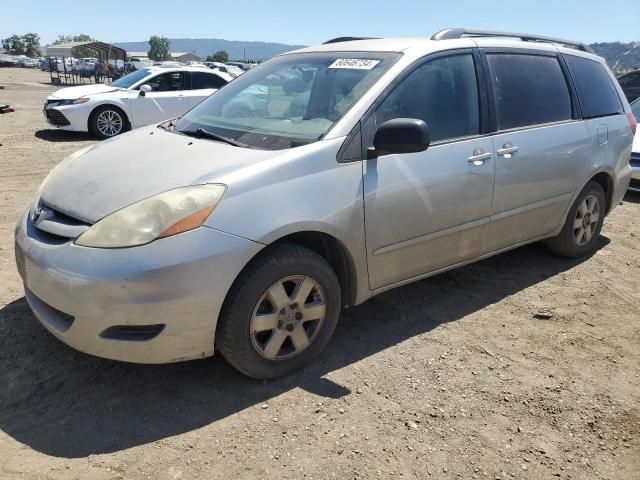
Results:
364 164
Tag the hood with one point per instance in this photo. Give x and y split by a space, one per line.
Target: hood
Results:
71 93
131 167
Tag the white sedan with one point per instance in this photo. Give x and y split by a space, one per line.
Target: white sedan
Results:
635 151
143 97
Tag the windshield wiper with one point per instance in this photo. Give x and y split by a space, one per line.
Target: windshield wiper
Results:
169 124
201 132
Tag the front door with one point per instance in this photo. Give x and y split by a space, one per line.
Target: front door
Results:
166 100
429 210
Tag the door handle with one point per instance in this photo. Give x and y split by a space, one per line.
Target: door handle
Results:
479 157
507 149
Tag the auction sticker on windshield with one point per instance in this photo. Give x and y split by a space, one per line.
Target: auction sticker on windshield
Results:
354 63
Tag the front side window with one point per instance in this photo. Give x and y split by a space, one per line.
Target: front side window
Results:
443 92
200 80
131 78
528 90
288 101
167 82
596 91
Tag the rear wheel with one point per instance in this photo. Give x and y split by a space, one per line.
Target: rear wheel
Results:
580 233
281 312
107 121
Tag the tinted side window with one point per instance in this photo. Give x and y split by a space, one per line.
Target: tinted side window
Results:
442 92
630 80
528 90
167 82
205 80
596 91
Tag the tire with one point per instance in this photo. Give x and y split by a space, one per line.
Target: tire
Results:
100 125
581 231
263 328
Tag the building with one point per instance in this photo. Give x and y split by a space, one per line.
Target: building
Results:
185 57
138 54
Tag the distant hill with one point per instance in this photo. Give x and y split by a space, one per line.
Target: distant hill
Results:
621 57
206 46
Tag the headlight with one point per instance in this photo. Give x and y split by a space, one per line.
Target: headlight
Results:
166 214
76 101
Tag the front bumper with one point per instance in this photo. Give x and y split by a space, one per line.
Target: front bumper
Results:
74 118
178 282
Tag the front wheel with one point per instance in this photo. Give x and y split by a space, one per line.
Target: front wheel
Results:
107 122
280 313
579 236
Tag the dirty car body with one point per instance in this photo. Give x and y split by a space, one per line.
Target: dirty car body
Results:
309 172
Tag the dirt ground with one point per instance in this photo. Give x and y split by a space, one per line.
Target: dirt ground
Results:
451 377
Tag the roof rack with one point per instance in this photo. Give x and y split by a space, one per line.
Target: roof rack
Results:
346 39
451 33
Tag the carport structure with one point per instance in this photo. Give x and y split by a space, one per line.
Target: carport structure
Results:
105 53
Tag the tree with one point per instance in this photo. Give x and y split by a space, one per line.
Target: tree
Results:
77 52
159 49
31 45
14 44
219 56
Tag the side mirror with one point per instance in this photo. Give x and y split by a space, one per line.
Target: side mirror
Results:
401 135
144 89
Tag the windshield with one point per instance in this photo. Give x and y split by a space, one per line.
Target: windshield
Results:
635 108
288 101
131 78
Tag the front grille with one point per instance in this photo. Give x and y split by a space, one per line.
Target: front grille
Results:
635 184
57 118
635 160
54 226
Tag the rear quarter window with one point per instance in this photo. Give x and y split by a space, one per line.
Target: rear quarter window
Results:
201 80
596 91
528 90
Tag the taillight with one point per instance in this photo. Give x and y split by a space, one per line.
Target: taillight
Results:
632 122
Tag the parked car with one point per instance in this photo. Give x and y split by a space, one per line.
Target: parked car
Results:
635 151
87 64
57 64
139 98
241 65
6 60
137 64
248 234
230 69
630 83
26 62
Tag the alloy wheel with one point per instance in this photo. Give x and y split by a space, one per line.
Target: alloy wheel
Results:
109 123
586 220
288 317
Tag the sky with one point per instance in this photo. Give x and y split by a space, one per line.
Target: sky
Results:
304 22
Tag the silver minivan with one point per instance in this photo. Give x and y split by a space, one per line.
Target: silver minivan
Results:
362 165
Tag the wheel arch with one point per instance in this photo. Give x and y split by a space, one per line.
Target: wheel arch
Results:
605 180
325 245
335 253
